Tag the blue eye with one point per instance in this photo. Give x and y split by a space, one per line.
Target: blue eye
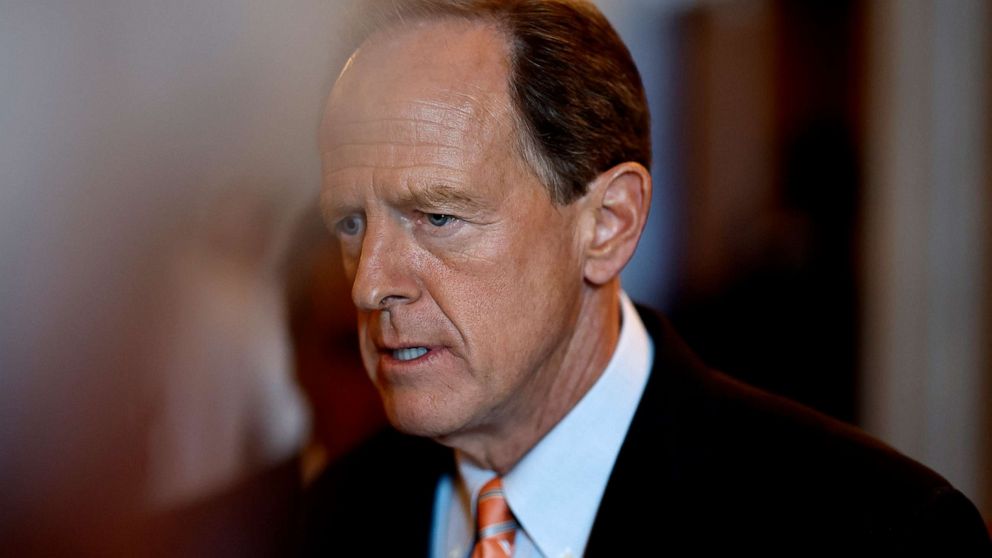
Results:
350 225
439 219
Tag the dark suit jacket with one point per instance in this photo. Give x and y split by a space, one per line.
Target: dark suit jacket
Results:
708 464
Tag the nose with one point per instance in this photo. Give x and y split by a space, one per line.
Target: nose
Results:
384 274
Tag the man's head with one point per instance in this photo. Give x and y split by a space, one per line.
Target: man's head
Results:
487 192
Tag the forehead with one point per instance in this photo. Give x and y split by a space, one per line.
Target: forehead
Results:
422 107
426 78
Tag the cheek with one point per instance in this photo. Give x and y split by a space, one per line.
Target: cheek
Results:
516 298
508 287
543 266
547 285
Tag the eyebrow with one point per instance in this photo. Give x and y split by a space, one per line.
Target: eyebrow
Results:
442 196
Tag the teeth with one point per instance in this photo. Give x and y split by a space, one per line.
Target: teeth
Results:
410 353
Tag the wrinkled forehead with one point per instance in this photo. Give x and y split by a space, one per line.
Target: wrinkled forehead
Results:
449 73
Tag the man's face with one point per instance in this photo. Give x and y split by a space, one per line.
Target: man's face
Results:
467 278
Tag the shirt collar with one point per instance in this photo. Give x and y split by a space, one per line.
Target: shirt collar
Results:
578 452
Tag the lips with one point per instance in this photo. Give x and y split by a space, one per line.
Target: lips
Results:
382 333
404 352
409 360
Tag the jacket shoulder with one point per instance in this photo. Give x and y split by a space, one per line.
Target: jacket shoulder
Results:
821 475
765 466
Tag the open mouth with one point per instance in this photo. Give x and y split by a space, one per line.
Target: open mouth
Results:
409 353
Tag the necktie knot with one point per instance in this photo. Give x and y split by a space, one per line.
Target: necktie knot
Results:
494 521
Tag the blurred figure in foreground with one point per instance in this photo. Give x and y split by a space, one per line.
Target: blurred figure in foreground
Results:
153 158
346 409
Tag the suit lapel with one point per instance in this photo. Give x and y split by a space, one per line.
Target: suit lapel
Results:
648 469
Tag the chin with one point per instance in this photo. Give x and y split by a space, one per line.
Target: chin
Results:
421 415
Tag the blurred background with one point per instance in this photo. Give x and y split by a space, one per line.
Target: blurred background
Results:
176 338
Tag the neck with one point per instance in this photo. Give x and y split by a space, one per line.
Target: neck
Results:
562 382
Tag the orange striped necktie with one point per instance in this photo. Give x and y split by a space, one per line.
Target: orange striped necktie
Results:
496 525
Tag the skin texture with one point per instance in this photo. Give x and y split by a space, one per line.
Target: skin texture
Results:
453 244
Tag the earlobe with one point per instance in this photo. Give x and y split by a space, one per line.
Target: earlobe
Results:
619 201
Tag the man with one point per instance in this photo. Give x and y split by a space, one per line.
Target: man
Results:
485 170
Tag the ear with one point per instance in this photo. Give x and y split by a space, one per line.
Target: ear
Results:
618 202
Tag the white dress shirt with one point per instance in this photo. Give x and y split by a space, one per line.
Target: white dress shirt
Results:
554 491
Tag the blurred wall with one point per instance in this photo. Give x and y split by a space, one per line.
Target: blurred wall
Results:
651 29
767 288
928 377
834 213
